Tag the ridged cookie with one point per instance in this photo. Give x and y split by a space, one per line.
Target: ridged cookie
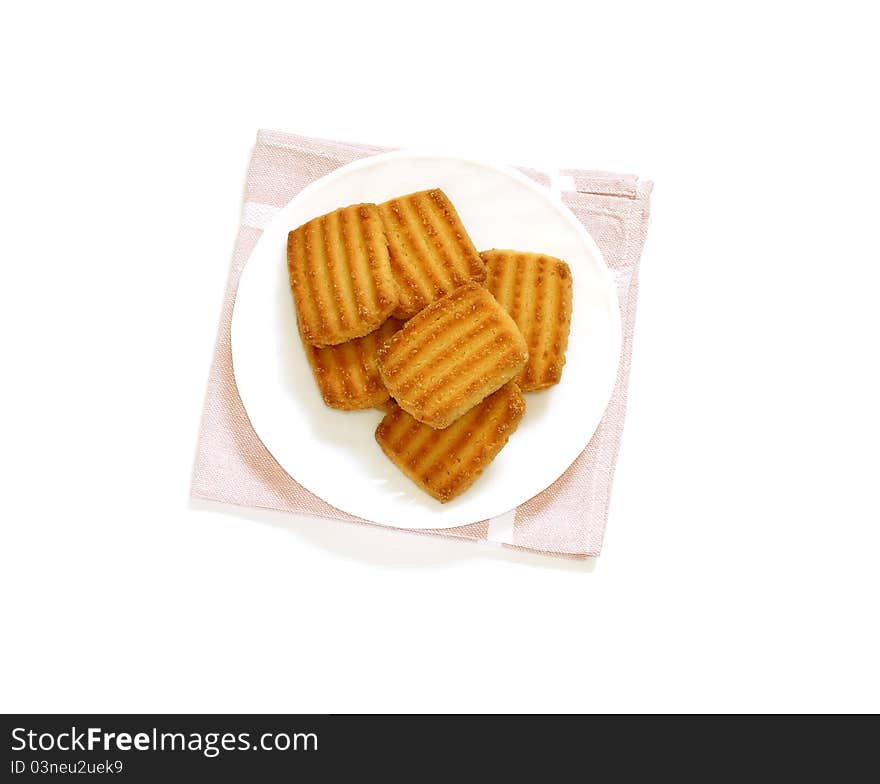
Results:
450 356
430 251
347 374
341 275
536 291
445 463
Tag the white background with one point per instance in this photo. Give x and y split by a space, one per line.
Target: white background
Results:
740 570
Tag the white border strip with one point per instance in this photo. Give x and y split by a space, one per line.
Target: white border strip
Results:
501 528
560 183
257 216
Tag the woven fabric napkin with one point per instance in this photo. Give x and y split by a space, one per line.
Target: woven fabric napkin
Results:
568 519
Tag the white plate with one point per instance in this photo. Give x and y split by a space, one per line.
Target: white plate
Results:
334 453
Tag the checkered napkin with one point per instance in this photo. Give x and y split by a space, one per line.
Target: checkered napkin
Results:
568 518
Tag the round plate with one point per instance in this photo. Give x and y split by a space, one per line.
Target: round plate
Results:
334 454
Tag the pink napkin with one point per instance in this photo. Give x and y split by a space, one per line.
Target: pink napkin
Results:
568 519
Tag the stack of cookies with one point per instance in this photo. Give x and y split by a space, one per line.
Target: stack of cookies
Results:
398 310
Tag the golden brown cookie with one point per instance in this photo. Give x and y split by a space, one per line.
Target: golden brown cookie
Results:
445 463
341 275
347 374
430 251
386 406
456 352
535 290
